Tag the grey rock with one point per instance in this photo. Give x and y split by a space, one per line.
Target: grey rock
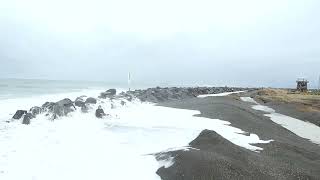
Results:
65 102
79 102
108 94
48 106
63 107
103 95
35 110
123 103
159 94
112 92
60 108
91 100
27 118
19 114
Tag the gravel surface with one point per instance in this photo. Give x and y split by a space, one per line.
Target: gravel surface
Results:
287 157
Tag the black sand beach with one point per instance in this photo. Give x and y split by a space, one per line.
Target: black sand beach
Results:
287 157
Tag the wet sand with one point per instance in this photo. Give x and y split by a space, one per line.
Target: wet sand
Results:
288 156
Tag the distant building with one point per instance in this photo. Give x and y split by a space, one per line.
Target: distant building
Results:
302 85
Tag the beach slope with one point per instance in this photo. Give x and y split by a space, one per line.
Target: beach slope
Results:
288 156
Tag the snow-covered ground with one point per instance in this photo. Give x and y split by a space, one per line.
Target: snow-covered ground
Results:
120 146
301 128
219 94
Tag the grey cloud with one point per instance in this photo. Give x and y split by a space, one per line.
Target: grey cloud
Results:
271 52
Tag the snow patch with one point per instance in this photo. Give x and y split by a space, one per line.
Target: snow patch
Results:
219 94
263 108
301 128
248 99
166 162
186 148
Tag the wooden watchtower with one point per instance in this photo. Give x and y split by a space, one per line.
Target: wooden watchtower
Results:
302 85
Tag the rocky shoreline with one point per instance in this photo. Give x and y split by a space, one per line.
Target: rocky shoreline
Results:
54 110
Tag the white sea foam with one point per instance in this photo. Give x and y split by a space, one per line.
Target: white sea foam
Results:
301 128
83 147
219 94
9 106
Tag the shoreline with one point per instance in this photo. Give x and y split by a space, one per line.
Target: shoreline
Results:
281 154
127 125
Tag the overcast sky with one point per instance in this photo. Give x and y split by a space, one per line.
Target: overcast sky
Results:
243 43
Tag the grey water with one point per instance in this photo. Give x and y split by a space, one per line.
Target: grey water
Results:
19 88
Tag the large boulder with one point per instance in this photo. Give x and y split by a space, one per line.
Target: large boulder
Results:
91 100
60 108
108 94
35 110
63 107
65 102
27 118
112 92
48 106
19 114
100 113
79 102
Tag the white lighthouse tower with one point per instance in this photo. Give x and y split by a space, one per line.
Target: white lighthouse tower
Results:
129 80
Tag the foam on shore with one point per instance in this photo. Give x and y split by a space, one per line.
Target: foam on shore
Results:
82 147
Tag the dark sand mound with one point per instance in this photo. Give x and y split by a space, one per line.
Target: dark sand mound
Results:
287 157
217 158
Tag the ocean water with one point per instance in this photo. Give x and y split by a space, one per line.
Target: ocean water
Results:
25 93
19 88
80 146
